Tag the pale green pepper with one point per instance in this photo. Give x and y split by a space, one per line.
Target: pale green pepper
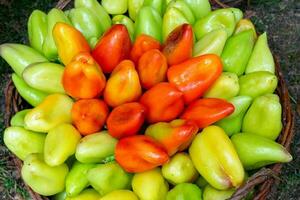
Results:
115 7
183 7
238 14
185 191
237 51
243 25
87 194
37 29
60 196
158 5
211 193
264 117
123 19
134 7
18 118
120 195
200 8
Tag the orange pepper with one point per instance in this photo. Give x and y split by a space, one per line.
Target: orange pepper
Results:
69 42
83 78
89 115
194 76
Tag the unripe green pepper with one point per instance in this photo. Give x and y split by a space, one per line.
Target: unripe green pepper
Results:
158 5
150 185
238 14
185 191
108 177
237 51
19 56
37 29
23 142
200 8
221 18
225 87
134 7
123 19
261 58
115 7
264 117
179 169
148 22
97 10
183 7
211 193
233 123
87 194
45 77
201 182
18 118
60 196
95 147
33 96
211 43
76 180
243 25
257 83
256 151
87 23
43 179
49 48
120 195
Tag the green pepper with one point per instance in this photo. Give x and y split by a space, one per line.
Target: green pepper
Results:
33 96
134 7
211 193
45 77
237 51
87 23
120 195
18 118
60 196
123 19
183 7
264 117
49 48
158 5
23 142
211 43
257 83
87 194
148 22
185 191
243 25
238 14
108 177
225 87
233 123
37 29
256 151
150 185
97 10
200 8
76 180
115 7
221 18
201 182
179 169
261 58
19 56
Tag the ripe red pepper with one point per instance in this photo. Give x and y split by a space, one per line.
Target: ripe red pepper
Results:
142 44
112 48
140 153
83 78
207 111
194 76
179 44
126 119
89 115
164 102
152 68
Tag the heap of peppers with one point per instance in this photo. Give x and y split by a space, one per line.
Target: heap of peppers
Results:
172 101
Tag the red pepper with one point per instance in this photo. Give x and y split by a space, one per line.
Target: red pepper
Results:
194 76
152 68
207 111
140 153
179 44
142 44
164 102
89 115
126 119
112 48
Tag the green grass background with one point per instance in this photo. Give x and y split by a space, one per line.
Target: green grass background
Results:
281 20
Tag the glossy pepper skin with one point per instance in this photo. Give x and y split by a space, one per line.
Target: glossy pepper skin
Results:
115 7
126 119
134 7
120 195
178 46
174 136
152 68
210 193
194 76
18 118
200 8
83 78
185 191
123 19
158 5
184 8
164 102
123 85
140 153
243 25
218 164
112 48
207 111
142 44
89 115
87 194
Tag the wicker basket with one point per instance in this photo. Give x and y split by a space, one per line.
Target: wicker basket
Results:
263 179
